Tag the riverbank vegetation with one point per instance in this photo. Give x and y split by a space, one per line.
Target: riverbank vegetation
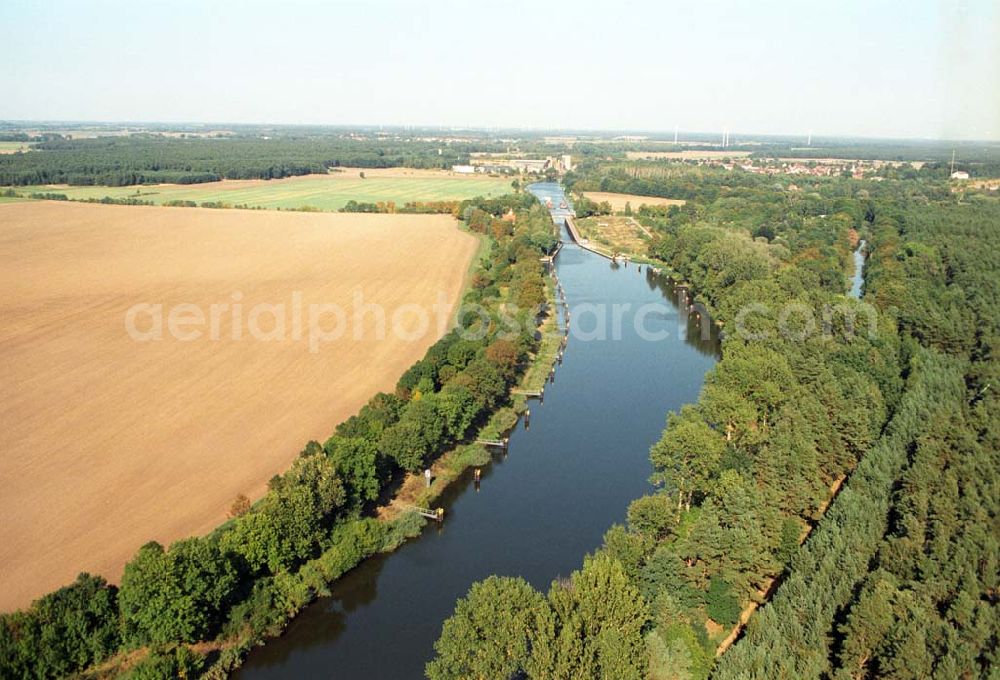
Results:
203 602
898 574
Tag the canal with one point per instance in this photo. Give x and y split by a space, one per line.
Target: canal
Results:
540 508
858 279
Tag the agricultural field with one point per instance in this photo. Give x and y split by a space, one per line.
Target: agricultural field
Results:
618 201
112 438
322 192
614 234
14 147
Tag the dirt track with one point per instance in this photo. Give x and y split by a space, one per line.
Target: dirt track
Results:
107 442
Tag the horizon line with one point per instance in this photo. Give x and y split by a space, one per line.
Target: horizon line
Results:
494 128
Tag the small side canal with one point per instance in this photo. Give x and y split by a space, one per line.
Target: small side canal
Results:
858 280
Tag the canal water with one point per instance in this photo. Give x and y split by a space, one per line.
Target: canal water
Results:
859 270
539 509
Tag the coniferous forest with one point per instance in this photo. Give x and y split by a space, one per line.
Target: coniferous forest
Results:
151 159
836 486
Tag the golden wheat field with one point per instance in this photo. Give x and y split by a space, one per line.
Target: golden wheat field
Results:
618 201
110 438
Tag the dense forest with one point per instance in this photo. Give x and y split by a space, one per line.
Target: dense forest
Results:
840 467
901 579
230 589
150 159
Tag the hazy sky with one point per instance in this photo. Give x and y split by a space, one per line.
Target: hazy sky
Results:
906 68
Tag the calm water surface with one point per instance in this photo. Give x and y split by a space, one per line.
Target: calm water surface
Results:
540 508
859 270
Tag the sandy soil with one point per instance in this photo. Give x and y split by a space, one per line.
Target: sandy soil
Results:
618 201
108 442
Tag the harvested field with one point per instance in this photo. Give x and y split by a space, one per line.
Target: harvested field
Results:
14 147
108 441
323 192
618 201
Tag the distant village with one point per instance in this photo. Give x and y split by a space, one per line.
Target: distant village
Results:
810 167
814 167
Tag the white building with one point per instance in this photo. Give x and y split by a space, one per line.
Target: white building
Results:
464 169
960 174
530 164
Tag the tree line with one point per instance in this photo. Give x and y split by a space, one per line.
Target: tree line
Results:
151 159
